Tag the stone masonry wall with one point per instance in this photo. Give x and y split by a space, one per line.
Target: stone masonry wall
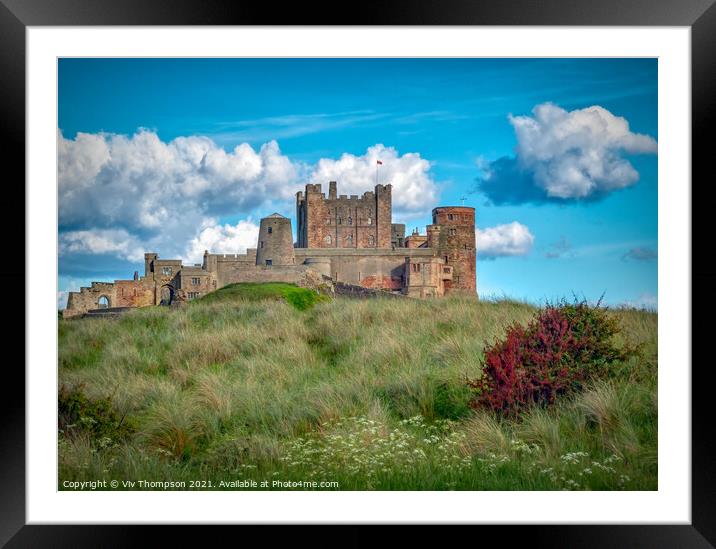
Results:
134 293
86 299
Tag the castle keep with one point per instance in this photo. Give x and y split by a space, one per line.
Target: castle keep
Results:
340 239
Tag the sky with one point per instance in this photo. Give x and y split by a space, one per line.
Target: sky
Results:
557 156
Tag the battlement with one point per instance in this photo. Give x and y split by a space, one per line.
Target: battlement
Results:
454 215
313 188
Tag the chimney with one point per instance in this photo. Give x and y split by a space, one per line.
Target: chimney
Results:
332 190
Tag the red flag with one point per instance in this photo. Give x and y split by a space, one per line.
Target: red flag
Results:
379 162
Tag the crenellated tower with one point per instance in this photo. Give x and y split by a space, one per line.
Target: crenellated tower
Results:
342 221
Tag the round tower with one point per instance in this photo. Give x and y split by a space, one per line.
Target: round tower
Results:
275 246
456 245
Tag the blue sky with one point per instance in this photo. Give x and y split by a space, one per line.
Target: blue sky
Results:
558 156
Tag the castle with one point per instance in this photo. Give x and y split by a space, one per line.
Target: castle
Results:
340 239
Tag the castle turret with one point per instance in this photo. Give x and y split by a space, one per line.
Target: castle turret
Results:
275 246
455 243
149 259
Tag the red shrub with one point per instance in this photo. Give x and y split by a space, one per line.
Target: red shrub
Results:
560 349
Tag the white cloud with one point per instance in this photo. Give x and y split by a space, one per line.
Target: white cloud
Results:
511 239
579 153
413 187
62 296
146 184
223 239
116 242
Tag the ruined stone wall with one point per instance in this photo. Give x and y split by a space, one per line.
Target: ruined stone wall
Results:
455 243
88 298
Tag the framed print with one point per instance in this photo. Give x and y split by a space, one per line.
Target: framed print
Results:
406 268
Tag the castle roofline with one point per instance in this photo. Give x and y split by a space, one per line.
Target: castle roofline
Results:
276 215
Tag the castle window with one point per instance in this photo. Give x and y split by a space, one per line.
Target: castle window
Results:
370 221
103 302
270 230
350 221
371 240
349 240
452 232
340 221
166 271
192 295
328 221
261 244
269 262
416 267
328 239
195 281
450 217
446 258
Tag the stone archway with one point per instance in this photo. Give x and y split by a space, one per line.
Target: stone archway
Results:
104 302
166 296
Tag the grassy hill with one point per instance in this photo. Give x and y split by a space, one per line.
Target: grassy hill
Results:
275 383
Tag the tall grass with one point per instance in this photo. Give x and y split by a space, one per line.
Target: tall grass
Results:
368 393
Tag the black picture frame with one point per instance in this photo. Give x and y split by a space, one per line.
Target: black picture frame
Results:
699 15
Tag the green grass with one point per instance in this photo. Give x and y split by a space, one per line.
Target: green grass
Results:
300 298
245 384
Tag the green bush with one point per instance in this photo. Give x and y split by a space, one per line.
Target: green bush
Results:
301 298
451 400
95 418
